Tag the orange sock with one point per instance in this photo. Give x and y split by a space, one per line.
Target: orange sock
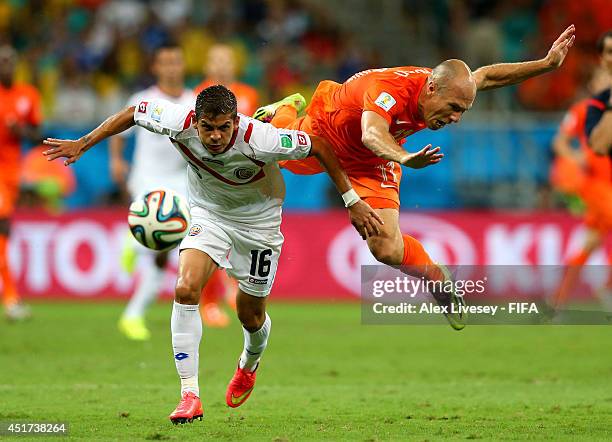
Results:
416 261
572 271
9 290
284 116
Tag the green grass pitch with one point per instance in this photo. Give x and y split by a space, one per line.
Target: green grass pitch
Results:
324 376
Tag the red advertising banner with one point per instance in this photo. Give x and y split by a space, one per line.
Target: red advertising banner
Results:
77 255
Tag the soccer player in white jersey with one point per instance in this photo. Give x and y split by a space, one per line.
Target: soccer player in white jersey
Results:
236 191
154 166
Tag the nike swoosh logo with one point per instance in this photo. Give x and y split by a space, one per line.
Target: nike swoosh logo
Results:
401 122
237 400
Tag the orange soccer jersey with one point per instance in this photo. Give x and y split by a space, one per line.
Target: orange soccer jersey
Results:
573 125
390 92
19 104
594 184
335 114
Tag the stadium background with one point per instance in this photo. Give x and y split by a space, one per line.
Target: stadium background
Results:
86 57
325 376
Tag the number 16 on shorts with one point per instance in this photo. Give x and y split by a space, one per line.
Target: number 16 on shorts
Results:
262 270
260 263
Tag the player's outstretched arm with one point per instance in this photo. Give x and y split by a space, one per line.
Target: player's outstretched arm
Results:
73 149
504 74
363 217
376 137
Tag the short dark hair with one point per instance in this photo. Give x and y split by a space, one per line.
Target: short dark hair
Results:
216 100
602 39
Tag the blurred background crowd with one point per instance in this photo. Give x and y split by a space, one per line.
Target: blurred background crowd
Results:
87 56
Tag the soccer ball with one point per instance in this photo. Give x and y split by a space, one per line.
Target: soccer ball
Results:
159 219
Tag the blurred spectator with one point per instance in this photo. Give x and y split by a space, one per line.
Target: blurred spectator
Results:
282 46
558 90
220 68
353 57
87 56
76 100
174 13
482 33
284 22
126 16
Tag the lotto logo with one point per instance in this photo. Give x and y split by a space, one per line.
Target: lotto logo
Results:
142 107
302 141
181 356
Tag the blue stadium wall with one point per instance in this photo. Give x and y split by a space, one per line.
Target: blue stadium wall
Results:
478 154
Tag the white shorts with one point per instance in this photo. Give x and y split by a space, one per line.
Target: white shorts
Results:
249 256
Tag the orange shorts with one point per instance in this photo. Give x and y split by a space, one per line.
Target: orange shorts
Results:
376 182
597 196
566 175
9 191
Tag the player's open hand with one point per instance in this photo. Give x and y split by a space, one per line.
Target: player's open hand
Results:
365 219
69 149
560 47
423 158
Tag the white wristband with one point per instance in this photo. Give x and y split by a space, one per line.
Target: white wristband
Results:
350 198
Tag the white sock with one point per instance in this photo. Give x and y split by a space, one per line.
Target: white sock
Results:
149 287
186 326
254 345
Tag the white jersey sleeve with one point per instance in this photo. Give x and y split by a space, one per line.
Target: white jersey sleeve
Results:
272 144
163 117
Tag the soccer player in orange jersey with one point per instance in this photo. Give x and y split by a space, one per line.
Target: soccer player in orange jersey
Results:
587 175
595 124
367 118
220 68
20 117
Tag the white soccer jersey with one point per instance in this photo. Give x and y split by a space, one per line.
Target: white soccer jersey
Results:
243 185
154 164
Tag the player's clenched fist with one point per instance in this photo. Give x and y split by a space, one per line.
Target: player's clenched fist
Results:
69 149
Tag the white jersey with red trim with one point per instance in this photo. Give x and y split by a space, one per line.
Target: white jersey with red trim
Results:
154 165
242 185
